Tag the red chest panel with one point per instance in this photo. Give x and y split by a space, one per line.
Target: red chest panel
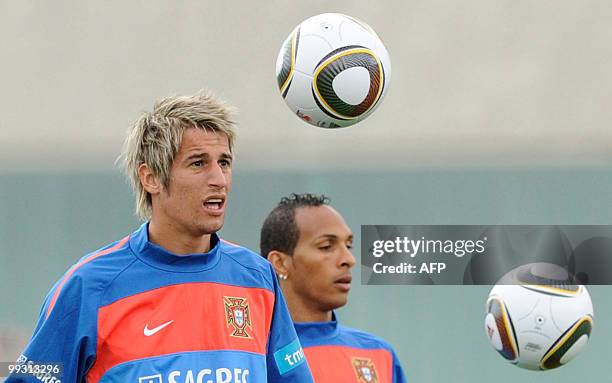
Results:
179 318
348 364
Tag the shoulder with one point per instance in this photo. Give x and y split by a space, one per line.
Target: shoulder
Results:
362 339
102 264
89 276
247 259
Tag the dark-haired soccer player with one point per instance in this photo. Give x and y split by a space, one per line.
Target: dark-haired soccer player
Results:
309 245
171 302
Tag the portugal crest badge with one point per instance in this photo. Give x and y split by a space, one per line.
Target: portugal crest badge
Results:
238 316
365 370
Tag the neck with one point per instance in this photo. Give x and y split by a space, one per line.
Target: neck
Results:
176 241
302 311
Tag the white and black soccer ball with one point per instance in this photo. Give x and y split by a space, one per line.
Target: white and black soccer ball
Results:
333 70
539 325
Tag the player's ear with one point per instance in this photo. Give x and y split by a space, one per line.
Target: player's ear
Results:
148 180
280 261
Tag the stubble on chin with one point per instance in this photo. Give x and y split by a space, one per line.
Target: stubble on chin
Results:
207 228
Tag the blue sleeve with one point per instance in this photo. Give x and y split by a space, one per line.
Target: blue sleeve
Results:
398 372
64 336
285 357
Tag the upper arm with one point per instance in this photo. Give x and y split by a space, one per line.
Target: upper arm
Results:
285 356
64 335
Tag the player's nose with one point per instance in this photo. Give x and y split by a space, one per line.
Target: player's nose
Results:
346 257
217 177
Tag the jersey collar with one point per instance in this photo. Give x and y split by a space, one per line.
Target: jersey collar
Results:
158 257
318 330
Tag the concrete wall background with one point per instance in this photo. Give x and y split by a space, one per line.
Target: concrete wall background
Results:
474 83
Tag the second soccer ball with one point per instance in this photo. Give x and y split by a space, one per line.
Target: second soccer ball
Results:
538 326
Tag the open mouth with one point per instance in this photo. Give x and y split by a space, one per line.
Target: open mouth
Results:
214 204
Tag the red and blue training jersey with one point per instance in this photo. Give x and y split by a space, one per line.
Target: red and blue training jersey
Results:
342 354
133 312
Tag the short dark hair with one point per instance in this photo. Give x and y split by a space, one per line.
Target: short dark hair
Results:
279 231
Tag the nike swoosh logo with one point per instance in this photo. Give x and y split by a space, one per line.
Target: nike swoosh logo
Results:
149 332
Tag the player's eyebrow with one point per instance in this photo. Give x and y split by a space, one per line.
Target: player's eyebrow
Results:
205 157
197 156
227 156
332 237
327 236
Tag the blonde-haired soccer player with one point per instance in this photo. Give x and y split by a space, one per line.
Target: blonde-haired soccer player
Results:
171 302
